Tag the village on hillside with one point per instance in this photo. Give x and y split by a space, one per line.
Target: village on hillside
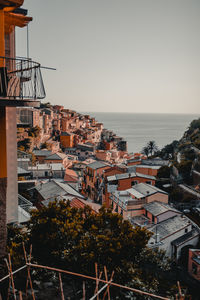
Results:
74 200
66 155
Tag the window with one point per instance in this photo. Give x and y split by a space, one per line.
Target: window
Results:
186 230
148 182
134 182
194 268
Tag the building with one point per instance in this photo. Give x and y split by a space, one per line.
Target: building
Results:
92 179
49 191
48 170
67 140
194 263
16 89
123 182
132 202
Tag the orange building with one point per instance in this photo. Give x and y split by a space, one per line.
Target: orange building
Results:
67 140
20 85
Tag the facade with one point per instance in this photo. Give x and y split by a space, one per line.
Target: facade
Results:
49 170
13 92
194 263
123 182
132 202
92 178
67 140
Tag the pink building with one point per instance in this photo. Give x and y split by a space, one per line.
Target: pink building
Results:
131 202
194 263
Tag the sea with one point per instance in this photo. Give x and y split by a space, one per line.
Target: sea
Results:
139 128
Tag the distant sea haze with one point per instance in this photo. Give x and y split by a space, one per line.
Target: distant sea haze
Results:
137 128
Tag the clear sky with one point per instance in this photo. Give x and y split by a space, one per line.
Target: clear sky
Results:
117 55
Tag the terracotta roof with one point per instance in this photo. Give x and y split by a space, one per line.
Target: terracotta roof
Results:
70 178
80 203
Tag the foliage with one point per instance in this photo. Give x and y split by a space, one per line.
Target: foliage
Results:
15 237
150 148
145 151
45 105
164 172
24 145
75 239
184 168
34 131
168 152
176 195
195 124
189 154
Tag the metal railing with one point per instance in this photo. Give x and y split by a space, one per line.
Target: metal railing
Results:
20 78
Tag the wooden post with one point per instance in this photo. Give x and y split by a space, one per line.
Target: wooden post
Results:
9 266
28 271
61 286
108 287
83 290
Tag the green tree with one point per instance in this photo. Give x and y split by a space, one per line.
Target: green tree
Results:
24 145
152 147
34 131
164 172
75 239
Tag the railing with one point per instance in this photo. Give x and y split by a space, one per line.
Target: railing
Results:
20 79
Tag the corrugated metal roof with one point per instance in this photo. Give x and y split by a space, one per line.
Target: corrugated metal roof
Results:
147 189
42 152
129 175
56 156
170 226
156 208
52 189
97 165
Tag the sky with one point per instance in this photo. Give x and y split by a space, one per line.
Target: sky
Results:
117 55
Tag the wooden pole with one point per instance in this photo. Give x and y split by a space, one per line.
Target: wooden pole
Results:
99 291
108 287
11 275
101 280
61 286
28 271
7 276
20 296
83 290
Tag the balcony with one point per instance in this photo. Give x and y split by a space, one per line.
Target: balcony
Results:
21 82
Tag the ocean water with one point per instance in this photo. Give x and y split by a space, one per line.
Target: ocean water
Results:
137 128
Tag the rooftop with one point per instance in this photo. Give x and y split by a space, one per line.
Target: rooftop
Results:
129 175
56 156
97 165
42 152
53 189
186 237
156 208
147 189
170 226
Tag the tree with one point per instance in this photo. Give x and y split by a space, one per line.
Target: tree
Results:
164 172
146 151
24 145
168 151
150 148
75 239
34 131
